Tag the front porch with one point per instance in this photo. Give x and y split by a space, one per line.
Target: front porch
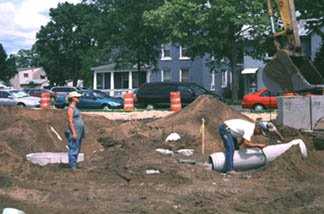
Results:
117 81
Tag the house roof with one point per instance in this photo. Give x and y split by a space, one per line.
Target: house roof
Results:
113 67
29 69
249 70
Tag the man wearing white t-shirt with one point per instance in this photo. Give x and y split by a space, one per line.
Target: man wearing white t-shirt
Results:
238 129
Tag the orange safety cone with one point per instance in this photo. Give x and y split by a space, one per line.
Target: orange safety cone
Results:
45 101
129 102
175 100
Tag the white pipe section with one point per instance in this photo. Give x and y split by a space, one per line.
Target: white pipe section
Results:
12 211
245 159
44 158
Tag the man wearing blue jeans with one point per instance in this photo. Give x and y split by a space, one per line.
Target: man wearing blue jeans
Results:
237 132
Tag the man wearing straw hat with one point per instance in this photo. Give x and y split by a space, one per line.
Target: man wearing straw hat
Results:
75 130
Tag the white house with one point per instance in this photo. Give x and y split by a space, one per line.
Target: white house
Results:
118 80
29 76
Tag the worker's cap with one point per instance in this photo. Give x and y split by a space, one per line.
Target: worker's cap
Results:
265 126
74 94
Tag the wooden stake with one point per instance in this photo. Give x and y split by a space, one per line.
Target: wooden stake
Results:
202 131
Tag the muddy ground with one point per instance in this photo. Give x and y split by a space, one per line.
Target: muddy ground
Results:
113 178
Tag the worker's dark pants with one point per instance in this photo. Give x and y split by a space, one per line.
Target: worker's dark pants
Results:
230 142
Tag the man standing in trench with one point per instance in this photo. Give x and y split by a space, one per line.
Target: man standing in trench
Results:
238 132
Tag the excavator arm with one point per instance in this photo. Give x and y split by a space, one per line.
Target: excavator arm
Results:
289 70
290 26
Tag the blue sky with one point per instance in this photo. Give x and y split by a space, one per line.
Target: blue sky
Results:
21 20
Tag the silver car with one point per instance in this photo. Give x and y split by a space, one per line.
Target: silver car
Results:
18 98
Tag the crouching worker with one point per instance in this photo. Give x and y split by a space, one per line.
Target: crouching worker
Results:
235 133
75 130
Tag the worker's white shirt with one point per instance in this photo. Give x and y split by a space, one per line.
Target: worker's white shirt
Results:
241 128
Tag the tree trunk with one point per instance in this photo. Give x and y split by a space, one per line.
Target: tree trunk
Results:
235 73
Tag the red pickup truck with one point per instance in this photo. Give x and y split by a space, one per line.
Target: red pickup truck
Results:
260 100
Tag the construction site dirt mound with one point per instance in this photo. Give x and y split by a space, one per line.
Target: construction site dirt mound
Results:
24 131
123 173
187 123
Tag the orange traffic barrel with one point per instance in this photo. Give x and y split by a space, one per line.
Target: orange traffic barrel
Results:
45 101
129 101
175 100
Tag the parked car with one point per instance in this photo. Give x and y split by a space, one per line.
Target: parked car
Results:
92 100
60 93
62 90
158 93
18 98
37 92
260 100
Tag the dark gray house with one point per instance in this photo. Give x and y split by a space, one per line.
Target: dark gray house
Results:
173 65
176 65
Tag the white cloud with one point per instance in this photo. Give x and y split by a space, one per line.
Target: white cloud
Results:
21 20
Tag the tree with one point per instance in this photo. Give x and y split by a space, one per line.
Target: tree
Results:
123 36
7 66
3 64
216 27
319 60
67 44
27 58
314 12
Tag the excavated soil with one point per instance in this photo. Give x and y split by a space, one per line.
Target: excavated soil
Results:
113 178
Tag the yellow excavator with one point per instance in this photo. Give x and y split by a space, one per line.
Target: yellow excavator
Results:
289 70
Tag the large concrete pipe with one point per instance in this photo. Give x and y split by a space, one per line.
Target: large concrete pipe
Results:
245 159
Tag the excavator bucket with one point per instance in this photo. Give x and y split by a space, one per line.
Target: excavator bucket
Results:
286 73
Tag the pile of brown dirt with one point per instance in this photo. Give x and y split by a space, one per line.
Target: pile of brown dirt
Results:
24 131
187 124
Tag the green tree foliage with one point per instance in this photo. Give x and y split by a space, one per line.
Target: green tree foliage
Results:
123 36
67 44
217 27
319 60
7 65
314 11
26 58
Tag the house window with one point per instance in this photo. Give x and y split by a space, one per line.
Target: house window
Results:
139 78
42 77
166 75
226 78
121 80
107 80
184 75
212 83
25 75
166 52
100 78
184 53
